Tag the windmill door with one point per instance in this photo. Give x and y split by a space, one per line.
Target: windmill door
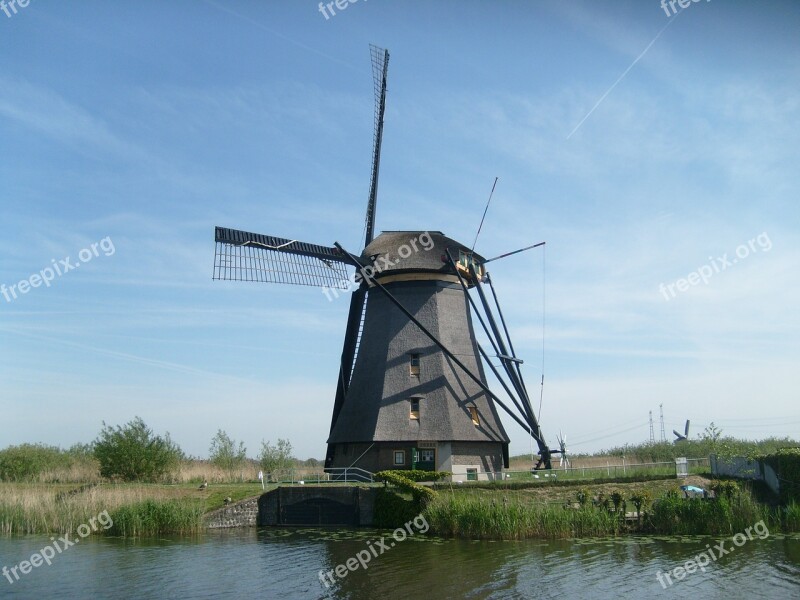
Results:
426 459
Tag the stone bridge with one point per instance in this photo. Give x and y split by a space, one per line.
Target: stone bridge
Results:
300 505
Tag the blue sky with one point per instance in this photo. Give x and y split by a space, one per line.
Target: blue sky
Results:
644 148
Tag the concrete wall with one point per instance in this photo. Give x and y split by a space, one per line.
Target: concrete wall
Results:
358 501
743 468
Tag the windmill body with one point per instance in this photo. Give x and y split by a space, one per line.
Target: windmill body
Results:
407 404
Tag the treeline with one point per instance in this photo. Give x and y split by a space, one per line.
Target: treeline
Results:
133 452
710 441
722 446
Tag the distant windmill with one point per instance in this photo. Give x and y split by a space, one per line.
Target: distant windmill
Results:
562 450
685 436
411 391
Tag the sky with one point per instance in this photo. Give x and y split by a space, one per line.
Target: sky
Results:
655 151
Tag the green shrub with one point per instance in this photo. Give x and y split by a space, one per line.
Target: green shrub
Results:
27 461
786 463
725 488
422 495
392 510
419 475
225 454
134 453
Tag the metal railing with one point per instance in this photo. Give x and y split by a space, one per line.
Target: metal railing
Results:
339 475
666 468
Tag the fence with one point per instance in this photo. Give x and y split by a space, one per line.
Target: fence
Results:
668 468
337 475
693 466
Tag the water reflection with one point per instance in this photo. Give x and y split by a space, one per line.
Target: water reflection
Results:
284 564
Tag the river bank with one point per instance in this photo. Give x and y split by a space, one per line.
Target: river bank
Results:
552 510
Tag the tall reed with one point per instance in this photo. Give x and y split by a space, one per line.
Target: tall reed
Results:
40 508
474 516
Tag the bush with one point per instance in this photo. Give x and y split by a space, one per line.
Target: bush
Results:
418 475
786 463
392 510
275 458
28 461
225 455
422 495
134 453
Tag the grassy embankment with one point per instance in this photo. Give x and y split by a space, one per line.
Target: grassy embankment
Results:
135 509
509 510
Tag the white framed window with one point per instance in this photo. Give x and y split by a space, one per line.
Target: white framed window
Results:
399 458
414 408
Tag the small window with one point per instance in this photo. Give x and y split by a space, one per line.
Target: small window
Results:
415 408
472 474
473 412
399 458
414 365
427 455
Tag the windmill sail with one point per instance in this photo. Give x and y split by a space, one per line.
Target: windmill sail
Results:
358 306
245 256
380 69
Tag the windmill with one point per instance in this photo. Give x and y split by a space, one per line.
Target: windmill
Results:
562 450
412 389
685 436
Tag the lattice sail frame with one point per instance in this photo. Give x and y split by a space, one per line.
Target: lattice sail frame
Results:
245 256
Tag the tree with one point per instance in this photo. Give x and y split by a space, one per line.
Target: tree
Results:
225 454
275 458
134 453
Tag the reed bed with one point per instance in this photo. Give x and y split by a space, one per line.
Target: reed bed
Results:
512 517
45 508
722 516
154 517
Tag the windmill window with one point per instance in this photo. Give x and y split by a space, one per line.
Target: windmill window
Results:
414 408
473 412
472 474
414 365
399 458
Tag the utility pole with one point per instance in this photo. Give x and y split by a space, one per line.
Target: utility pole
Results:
652 434
663 434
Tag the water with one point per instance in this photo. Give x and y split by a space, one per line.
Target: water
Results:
284 564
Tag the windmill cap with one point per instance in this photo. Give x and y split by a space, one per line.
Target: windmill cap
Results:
398 252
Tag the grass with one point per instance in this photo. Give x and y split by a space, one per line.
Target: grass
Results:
136 509
552 511
154 517
511 518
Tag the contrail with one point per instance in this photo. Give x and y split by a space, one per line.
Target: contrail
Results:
278 34
621 77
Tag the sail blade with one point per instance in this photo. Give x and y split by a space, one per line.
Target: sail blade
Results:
245 256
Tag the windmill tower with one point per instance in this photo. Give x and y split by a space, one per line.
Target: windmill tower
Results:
412 390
